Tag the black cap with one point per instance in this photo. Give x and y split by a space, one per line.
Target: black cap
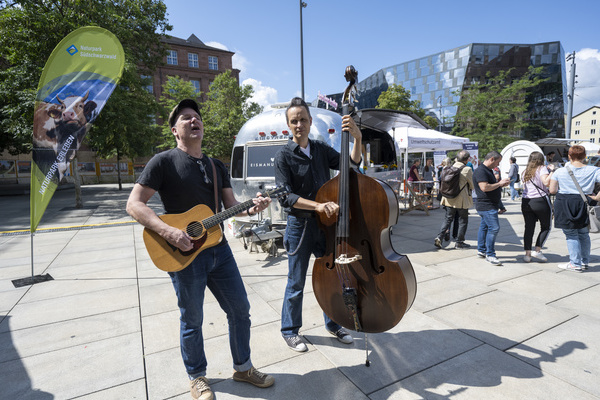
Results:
187 103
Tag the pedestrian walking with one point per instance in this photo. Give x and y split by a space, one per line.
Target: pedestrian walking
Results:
535 205
570 212
489 192
458 205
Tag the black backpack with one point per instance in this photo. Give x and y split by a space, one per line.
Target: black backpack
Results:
449 186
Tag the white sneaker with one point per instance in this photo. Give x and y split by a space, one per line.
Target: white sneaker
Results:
539 256
493 260
527 258
569 267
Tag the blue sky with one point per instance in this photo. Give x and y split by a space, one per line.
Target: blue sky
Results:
265 35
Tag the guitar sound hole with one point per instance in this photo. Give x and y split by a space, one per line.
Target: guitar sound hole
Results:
195 229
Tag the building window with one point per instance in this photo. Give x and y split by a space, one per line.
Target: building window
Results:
593 122
193 60
171 57
577 132
592 140
593 132
213 63
593 112
577 123
147 79
196 85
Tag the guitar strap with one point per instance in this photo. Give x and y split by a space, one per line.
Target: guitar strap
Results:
212 164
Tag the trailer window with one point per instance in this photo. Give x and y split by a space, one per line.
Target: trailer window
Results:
261 161
237 162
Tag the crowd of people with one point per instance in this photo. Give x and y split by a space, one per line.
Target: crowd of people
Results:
542 179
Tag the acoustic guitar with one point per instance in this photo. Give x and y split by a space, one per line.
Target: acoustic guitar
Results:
202 225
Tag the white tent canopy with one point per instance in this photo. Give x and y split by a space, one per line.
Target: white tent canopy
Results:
590 148
415 140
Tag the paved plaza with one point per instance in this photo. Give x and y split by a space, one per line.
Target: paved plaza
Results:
107 325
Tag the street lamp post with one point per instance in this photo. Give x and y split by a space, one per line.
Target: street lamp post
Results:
440 105
570 57
302 5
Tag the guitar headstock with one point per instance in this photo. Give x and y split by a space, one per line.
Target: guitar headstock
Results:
276 193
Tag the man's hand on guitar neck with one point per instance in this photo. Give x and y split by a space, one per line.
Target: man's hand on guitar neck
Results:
260 204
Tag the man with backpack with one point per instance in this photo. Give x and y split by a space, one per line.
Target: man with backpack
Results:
456 187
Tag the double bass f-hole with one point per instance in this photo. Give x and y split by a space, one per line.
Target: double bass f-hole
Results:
377 269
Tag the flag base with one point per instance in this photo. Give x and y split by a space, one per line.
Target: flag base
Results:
32 280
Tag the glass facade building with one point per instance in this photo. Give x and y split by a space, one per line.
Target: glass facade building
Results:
435 80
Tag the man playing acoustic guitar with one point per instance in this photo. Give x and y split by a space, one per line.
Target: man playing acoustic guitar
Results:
184 178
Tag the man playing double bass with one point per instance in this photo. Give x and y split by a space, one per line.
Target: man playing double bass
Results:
303 166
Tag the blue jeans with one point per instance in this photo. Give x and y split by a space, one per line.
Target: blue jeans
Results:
513 192
579 246
216 269
488 230
302 238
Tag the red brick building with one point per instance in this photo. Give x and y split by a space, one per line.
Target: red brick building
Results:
193 61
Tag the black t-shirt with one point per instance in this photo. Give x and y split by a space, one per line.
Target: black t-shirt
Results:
180 182
486 201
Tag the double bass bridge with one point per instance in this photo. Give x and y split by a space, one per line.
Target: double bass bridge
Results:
343 259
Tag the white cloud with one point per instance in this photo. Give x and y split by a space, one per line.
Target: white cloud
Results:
587 86
389 77
263 95
217 45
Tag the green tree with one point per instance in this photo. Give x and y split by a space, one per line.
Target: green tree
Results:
174 90
494 112
396 97
136 137
29 31
224 112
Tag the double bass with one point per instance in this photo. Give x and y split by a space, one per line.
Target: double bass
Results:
361 282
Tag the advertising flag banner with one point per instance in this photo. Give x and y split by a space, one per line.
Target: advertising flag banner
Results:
79 77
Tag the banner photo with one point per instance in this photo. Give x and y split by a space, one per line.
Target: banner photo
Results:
473 149
79 77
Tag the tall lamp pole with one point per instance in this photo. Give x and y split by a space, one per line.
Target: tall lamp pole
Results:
570 57
440 104
302 5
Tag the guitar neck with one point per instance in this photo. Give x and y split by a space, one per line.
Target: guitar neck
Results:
223 215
